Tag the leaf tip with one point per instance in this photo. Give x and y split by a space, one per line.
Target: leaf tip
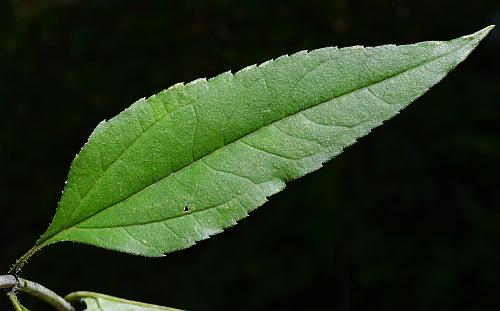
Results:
479 35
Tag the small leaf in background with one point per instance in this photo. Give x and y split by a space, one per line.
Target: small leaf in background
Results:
184 164
100 302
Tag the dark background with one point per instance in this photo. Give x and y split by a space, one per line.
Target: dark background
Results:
407 219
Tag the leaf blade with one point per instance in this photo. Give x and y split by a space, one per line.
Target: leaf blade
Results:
281 120
101 302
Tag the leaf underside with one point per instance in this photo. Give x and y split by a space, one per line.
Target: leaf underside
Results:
100 302
184 164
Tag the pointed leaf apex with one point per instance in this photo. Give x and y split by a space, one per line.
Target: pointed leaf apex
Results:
479 35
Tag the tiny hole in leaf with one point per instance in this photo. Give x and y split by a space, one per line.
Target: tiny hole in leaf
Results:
186 209
79 305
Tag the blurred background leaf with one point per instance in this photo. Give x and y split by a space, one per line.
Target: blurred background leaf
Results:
407 219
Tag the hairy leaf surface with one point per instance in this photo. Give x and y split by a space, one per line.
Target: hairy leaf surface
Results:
184 164
100 302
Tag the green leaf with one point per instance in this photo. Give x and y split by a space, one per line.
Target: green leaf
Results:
100 302
184 164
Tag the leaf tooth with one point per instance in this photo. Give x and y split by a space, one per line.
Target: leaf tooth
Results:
197 81
250 67
357 47
300 53
177 85
282 57
322 50
264 64
227 73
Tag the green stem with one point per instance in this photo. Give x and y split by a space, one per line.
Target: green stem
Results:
44 294
16 268
15 302
7 281
34 289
